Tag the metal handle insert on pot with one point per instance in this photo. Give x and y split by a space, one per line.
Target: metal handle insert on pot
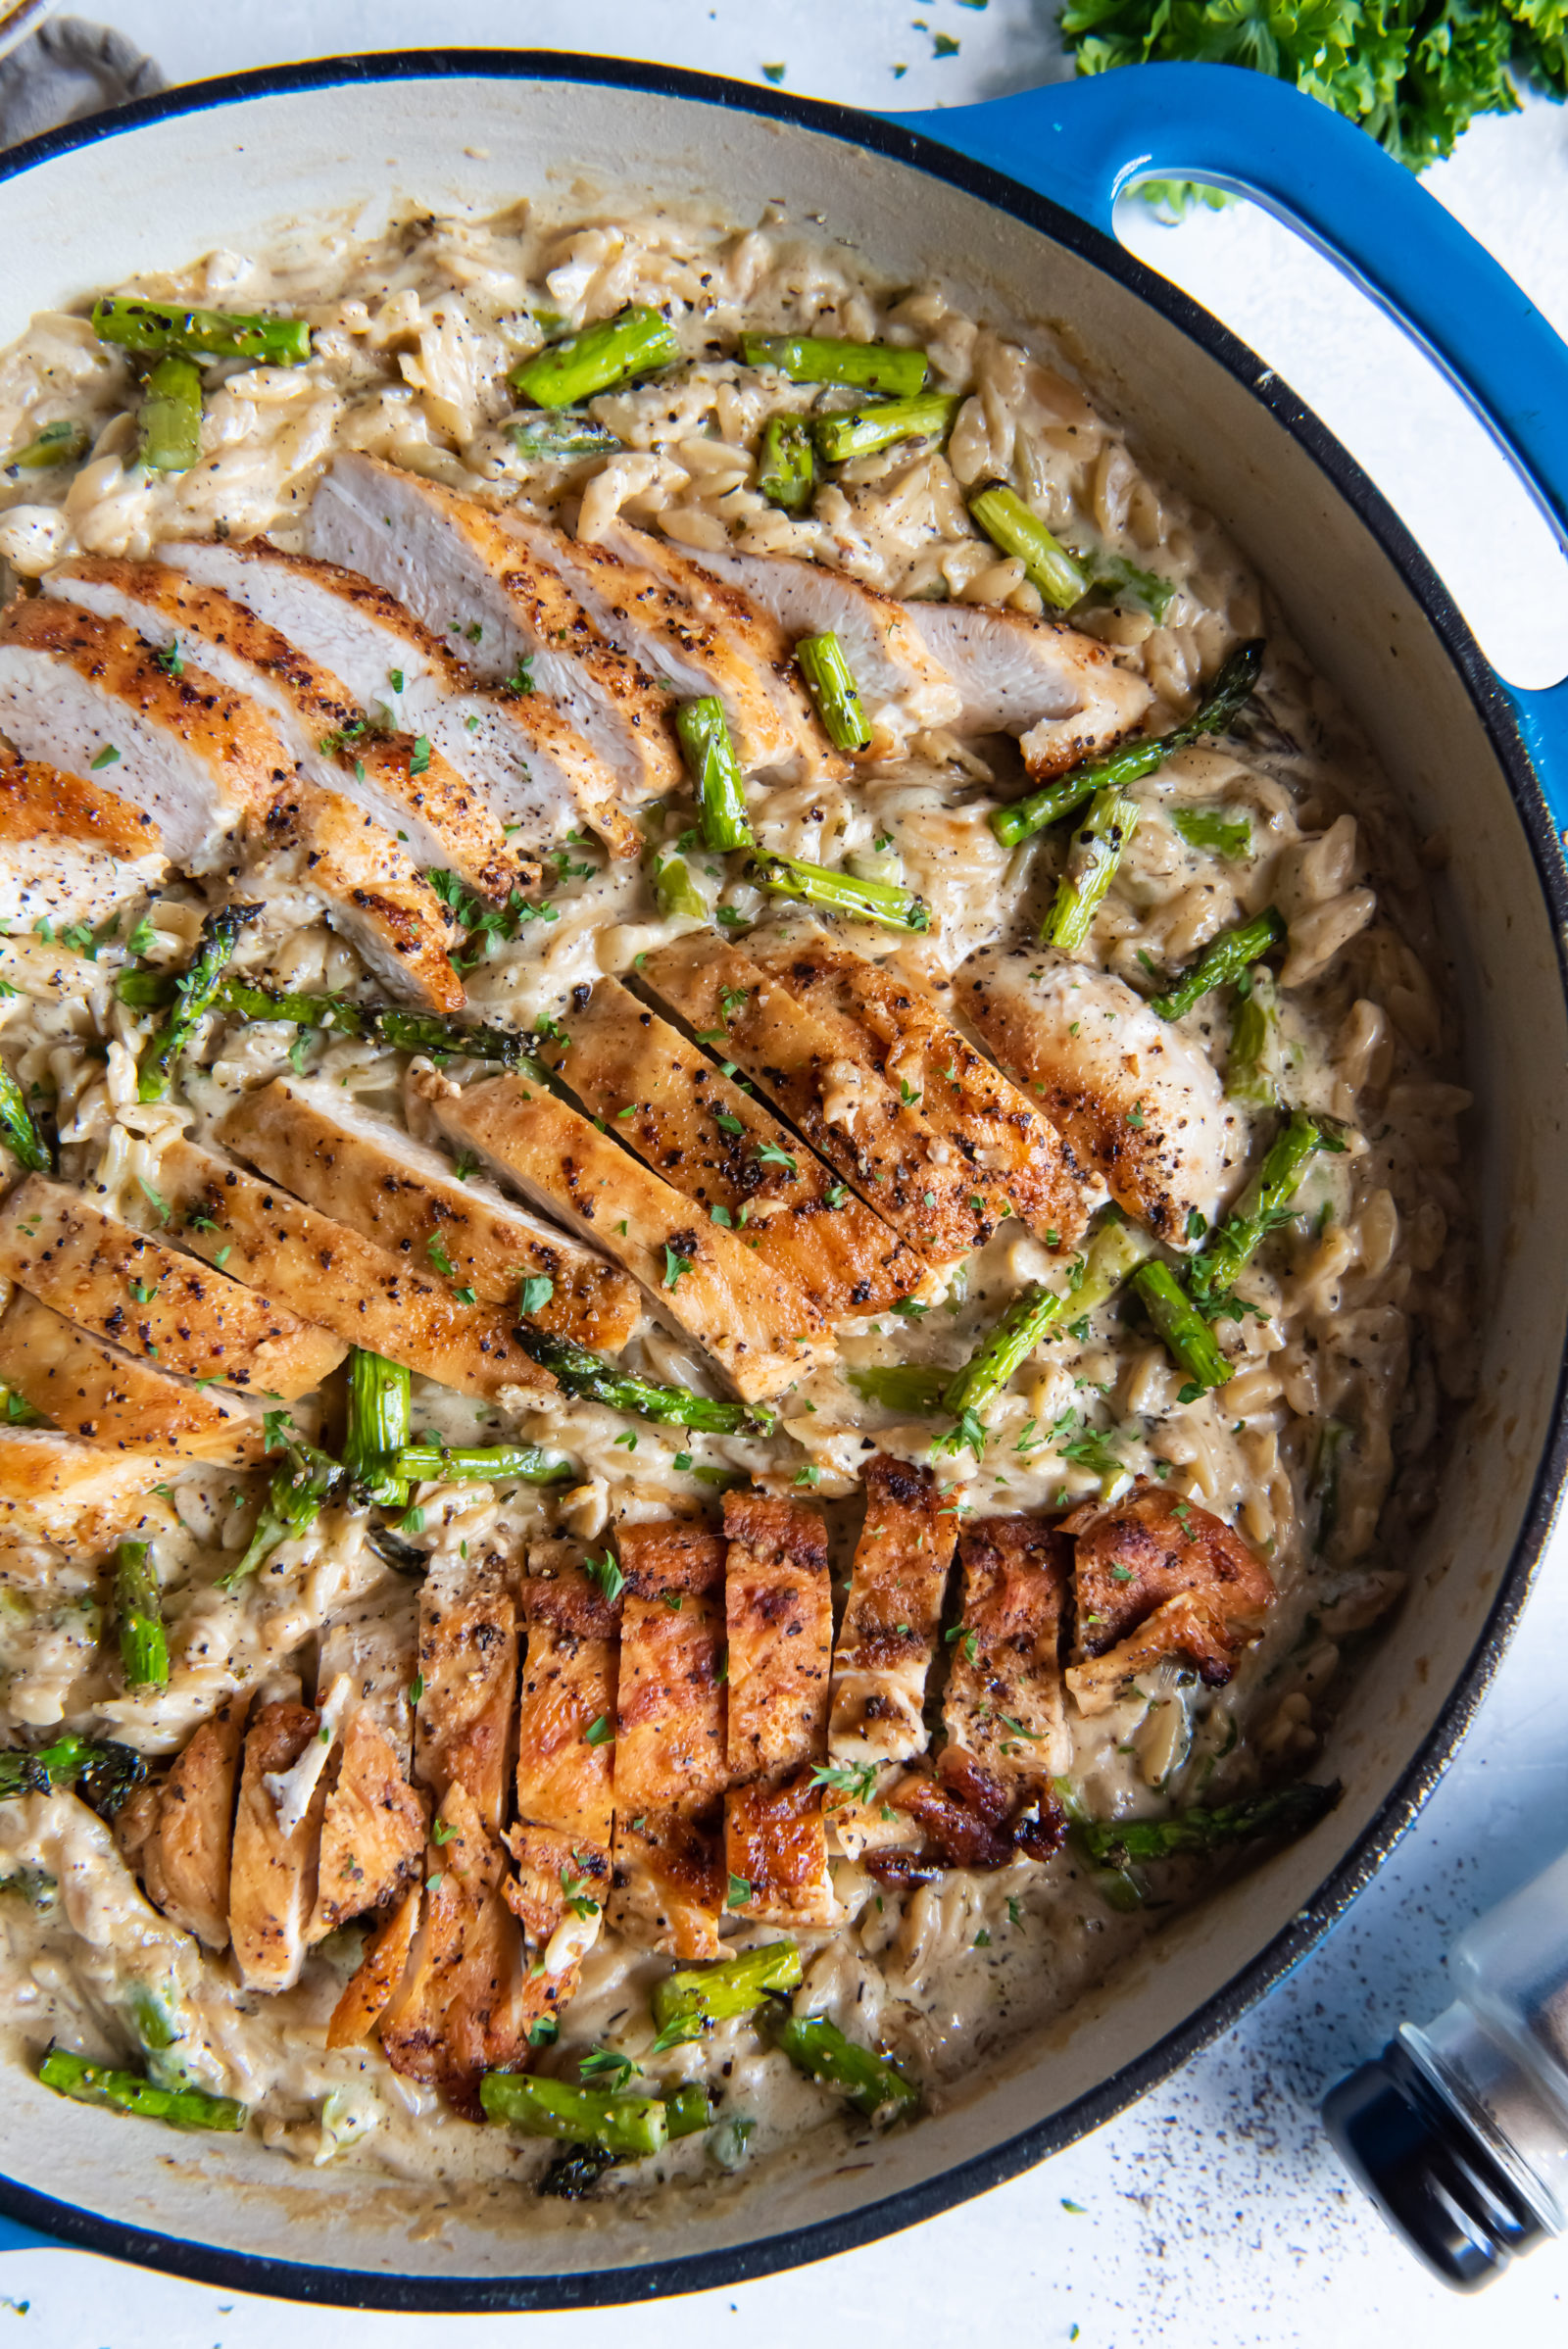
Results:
1083 143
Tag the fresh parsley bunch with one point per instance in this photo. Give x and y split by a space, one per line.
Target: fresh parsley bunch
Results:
1413 72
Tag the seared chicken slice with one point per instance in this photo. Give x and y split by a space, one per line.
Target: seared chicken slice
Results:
723 1150
1007 1148
108 1277
779 1608
313 846
1156 1577
891 1629
462 1721
821 1070
904 687
671 1764
53 1488
567 1706
379 1973
374 1644
185 1861
372 1831
466 2002
695 1274
1004 1701
339 744
109 1399
88 695
647 615
1140 1107
69 851
541 778
752 633
458 569
411 1200
363 1294
271 1887
1056 687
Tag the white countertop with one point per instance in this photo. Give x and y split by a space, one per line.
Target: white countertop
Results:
1214 2211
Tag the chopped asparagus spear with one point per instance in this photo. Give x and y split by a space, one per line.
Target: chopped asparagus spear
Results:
634 342
1232 688
1096 852
1026 1321
823 359
1264 1205
833 689
1114 576
377 1426
900 1386
1285 1811
195 993
403 1031
688 2003
129 2092
156 329
862 431
841 893
1222 963
169 417
680 897
424 1461
786 465
710 762
1115 1250
1227 836
865 2080
628 2125
595 1380
1008 524
60 443
144 1643
548 436
103 1775
687 2111
1254 1026
302 1481
16 1129
451 1039
1190 1341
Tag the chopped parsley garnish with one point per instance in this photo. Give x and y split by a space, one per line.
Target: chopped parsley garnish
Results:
607 1574
107 756
676 1266
846 1778
535 1292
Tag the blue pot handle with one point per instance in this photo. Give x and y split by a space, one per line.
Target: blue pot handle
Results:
1083 142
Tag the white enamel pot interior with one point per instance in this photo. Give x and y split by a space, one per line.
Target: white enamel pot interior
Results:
204 167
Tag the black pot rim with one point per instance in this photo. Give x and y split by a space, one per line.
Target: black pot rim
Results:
703 2272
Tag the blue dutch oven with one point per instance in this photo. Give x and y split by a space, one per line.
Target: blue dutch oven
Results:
1011 203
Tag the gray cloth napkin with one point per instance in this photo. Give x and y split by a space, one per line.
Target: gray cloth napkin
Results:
65 70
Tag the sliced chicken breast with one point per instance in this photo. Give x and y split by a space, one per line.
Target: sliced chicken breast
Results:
1004 1699
565 1776
821 1070
1140 1109
373 1831
272 1887
715 1144
1014 1157
69 851
88 695
108 1277
411 1200
457 568
538 773
643 611
891 1631
752 633
373 1644
1057 688
462 1722
108 1398
1156 1577
55 1488
382 1967
671 1764
401 781
695 1274
904 686
185 1861
364 1294
778 1606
